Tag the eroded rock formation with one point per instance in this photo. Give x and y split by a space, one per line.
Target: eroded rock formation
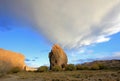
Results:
9 60
57 57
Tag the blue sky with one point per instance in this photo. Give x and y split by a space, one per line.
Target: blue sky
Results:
86 31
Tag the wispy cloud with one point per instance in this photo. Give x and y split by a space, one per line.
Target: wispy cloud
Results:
115 55
70 23
84 60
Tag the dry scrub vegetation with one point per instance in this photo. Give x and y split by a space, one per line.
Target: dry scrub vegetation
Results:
81 75
95 71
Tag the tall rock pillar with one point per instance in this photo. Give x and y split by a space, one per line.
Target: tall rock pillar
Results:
57 57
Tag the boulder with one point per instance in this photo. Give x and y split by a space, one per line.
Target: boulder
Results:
57 57
9 60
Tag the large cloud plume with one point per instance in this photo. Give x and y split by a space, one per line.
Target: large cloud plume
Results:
70 23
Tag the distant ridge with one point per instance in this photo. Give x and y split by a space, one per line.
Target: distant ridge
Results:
110 64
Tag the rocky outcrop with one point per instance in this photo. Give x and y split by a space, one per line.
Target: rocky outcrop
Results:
9 60
31 69
57 57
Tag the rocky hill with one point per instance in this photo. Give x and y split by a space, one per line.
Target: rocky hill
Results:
109 64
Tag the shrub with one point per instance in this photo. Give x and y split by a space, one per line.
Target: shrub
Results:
95 67
43 69
79 67
70 67
56 68
1 75
82 67
102 66
15 70
85 67
4 67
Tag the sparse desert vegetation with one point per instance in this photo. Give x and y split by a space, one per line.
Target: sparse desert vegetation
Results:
42 69
71 67
93 71
56 68
81 75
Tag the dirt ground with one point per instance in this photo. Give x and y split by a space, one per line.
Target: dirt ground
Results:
83 75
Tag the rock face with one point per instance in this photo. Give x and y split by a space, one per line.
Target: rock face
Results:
9 60
57 57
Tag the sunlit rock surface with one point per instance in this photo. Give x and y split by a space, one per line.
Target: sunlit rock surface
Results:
9 60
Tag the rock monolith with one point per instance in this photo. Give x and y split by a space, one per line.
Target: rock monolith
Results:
57 57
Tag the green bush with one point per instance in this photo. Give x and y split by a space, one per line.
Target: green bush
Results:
102 66
98 66
79 67
95 67
85 67
82 67
70 67
56 68
43 69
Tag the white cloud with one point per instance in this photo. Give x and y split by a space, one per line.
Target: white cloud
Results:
109 56
116 55
71 23
102 56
